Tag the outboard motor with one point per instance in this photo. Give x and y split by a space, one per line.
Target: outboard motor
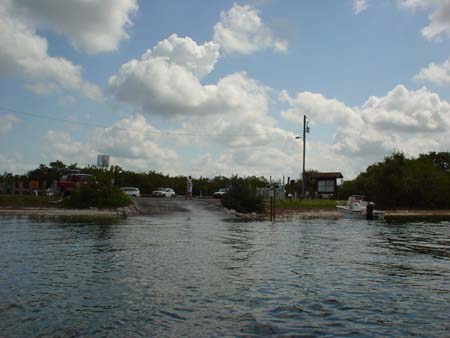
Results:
369 211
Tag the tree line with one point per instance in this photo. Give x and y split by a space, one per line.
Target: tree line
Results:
401 182
145 181
396 182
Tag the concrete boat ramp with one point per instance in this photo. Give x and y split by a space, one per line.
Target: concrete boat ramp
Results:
148 206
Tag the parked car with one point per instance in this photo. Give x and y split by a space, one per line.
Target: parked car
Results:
164 192
68 183
220 193
131 191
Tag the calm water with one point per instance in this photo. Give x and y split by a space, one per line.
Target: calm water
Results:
197 275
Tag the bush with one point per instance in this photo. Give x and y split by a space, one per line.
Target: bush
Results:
242 196
96 195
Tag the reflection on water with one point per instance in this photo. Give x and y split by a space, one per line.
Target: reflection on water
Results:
196 275
418 238
71 220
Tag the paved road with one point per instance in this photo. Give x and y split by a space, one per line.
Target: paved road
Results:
153 205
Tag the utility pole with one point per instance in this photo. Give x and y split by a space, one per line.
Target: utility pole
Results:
305 130
304 148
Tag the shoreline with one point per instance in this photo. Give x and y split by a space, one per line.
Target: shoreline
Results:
62 212
399 214
52 212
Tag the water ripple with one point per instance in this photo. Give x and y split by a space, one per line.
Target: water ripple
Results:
201 276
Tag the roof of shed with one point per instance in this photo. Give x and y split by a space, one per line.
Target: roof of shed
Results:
326 175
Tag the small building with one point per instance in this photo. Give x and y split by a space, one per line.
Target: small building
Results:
325 184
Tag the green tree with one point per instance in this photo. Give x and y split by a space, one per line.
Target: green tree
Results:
57 165
440 160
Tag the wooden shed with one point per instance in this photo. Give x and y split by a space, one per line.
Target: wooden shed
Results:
325 184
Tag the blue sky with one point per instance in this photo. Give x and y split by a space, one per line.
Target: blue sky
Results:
209 88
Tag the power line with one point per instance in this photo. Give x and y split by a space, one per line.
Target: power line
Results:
98 125
9 110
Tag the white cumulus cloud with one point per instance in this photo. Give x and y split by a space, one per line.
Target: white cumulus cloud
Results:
166 81
230 115
94 26
132 138
439 16
264 161
381 125
42 88
317 107
438 74
131 142
185 52
408 111
359 6
241 30
25 53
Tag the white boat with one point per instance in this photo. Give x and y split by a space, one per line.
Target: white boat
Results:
357 207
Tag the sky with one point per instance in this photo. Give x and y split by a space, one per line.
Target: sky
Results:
207 88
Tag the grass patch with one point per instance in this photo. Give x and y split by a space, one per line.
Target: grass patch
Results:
27 201
306 204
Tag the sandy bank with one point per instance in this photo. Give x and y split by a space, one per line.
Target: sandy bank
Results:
150 207
61 212
282 214
51 212
417 214
389 214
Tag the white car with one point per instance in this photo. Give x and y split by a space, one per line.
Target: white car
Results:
164 192
221 193
131 191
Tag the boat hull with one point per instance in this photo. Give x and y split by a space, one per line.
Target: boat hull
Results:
347 212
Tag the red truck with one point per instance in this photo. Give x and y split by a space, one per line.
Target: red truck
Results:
68 183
